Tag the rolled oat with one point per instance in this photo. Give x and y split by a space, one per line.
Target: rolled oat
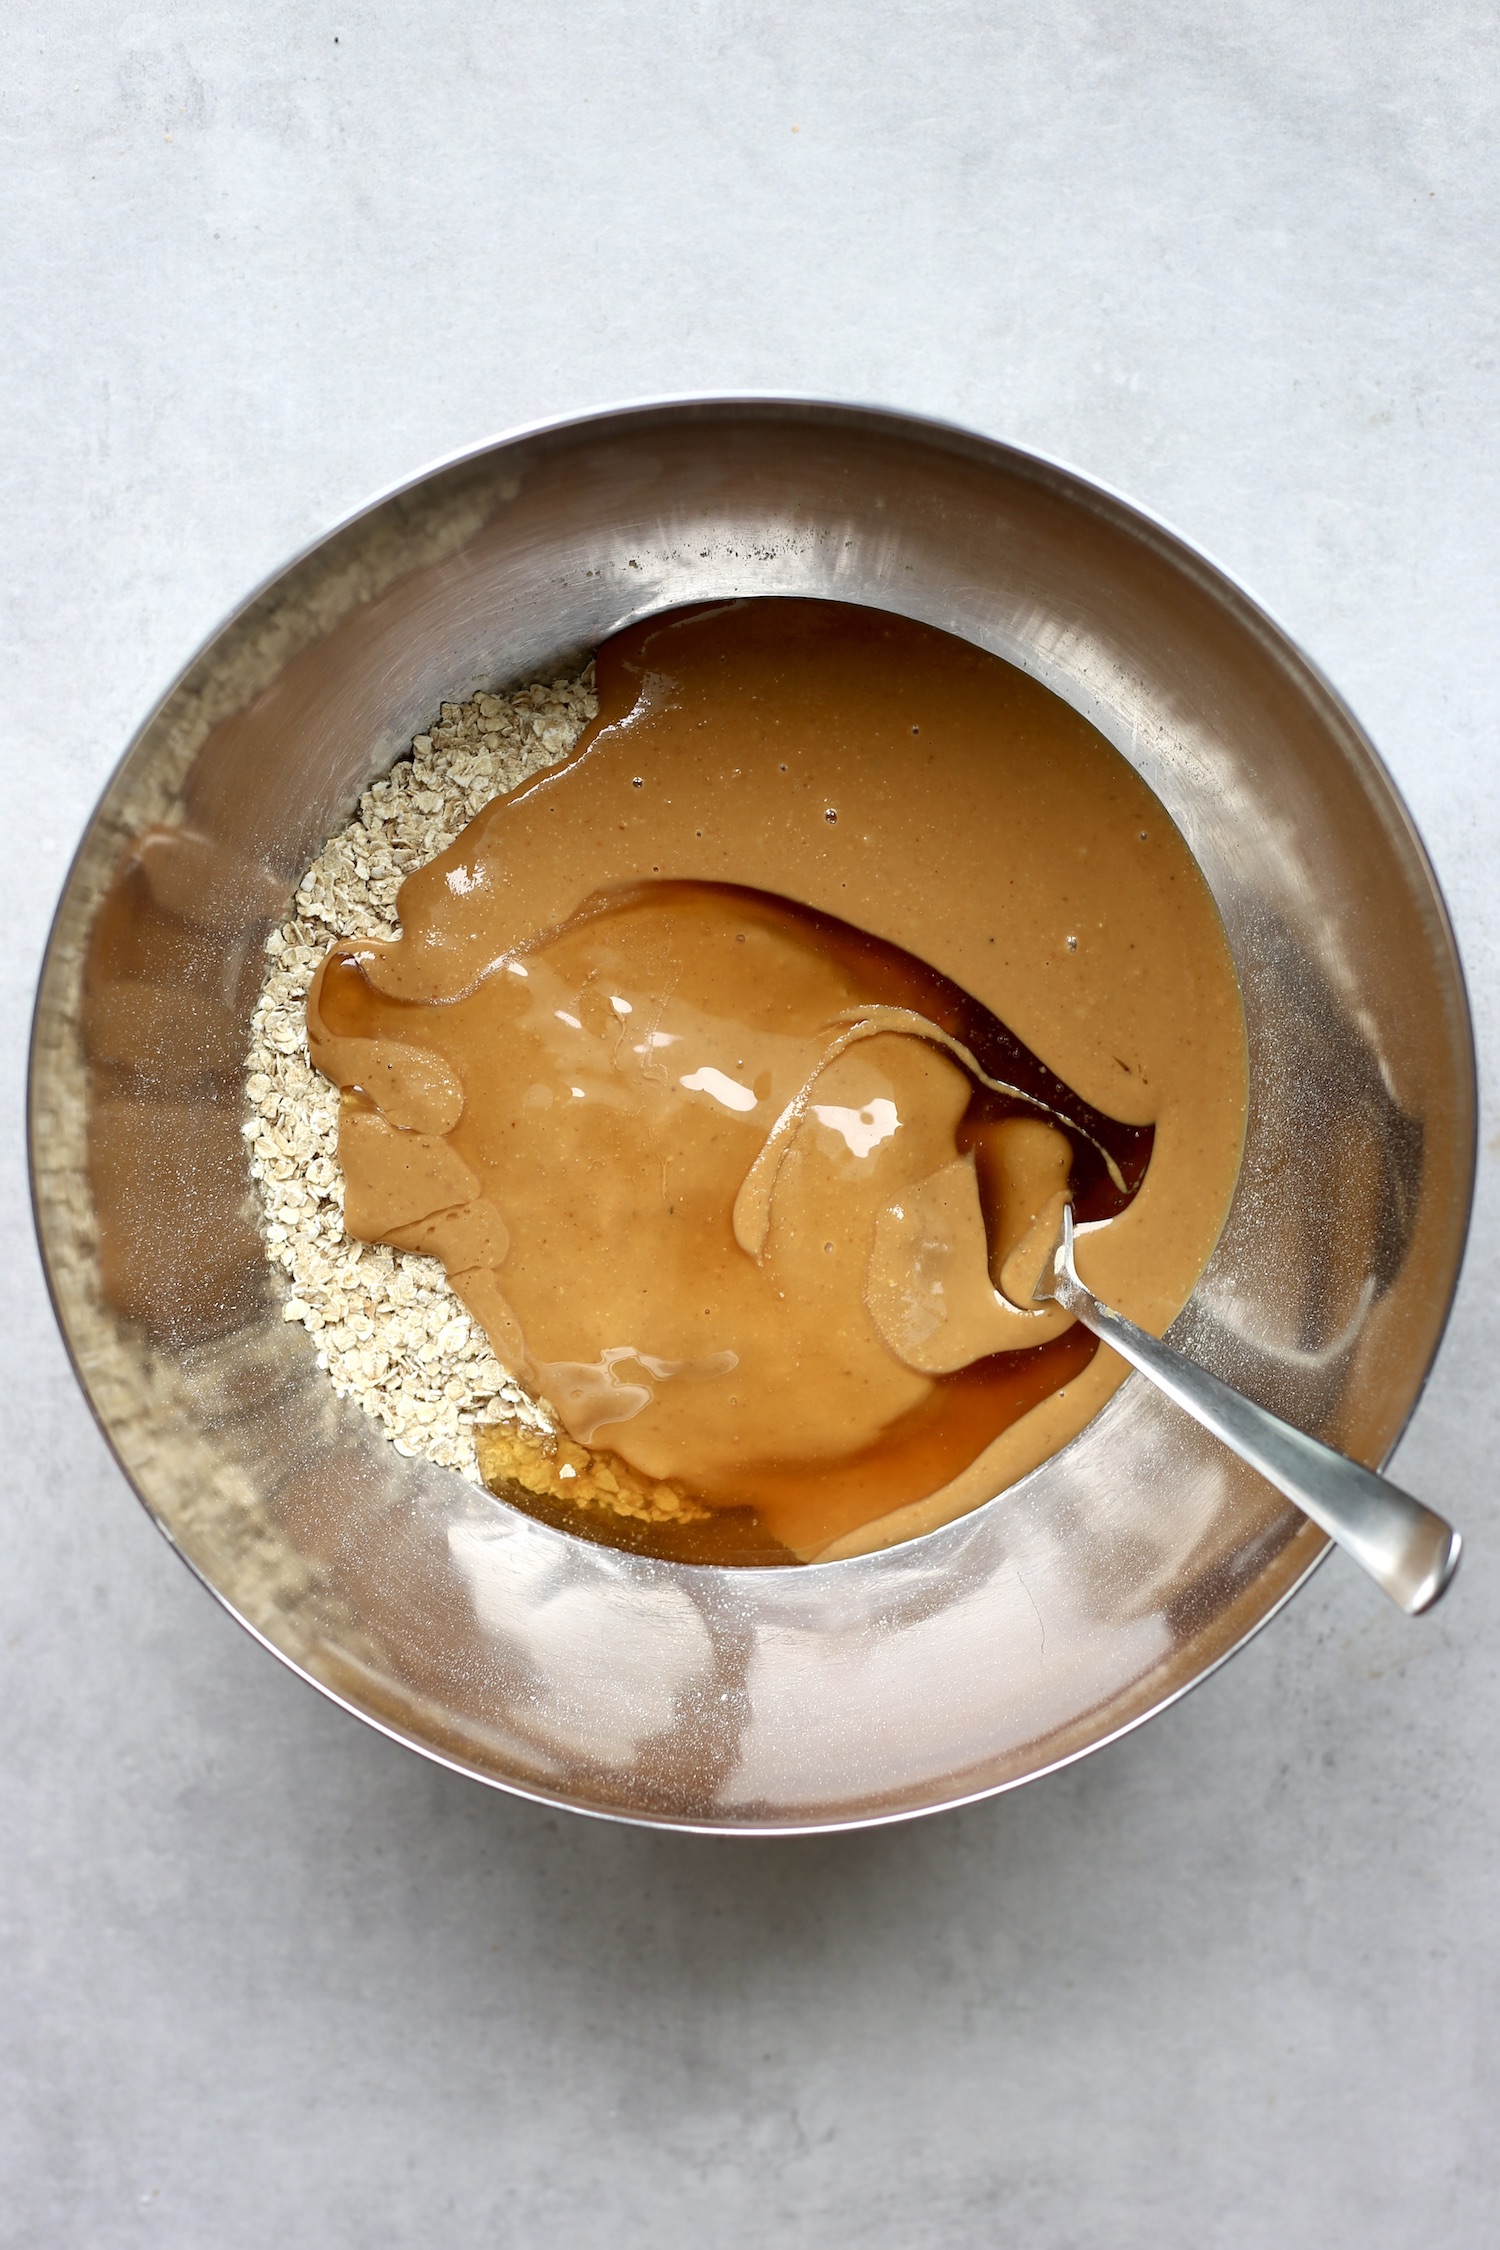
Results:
389 1330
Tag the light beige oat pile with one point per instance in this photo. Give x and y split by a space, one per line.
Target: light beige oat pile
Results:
389 1330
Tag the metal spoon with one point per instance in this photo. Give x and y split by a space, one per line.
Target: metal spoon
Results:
1409 1552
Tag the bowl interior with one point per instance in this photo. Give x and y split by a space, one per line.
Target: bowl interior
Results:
1066 1609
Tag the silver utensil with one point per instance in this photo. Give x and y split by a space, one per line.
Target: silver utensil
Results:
1409 1551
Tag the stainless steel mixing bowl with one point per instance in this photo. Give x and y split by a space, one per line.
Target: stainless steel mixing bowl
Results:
1064 1611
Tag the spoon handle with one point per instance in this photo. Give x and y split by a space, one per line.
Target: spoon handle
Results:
1410 1552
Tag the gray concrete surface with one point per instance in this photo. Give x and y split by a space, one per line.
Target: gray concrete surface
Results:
271 1980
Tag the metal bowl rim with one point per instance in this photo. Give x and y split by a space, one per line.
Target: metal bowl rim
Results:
1085 486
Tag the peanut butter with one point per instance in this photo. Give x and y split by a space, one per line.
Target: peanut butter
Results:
725 1065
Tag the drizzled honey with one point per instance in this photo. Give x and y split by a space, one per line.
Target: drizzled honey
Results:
711 1065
